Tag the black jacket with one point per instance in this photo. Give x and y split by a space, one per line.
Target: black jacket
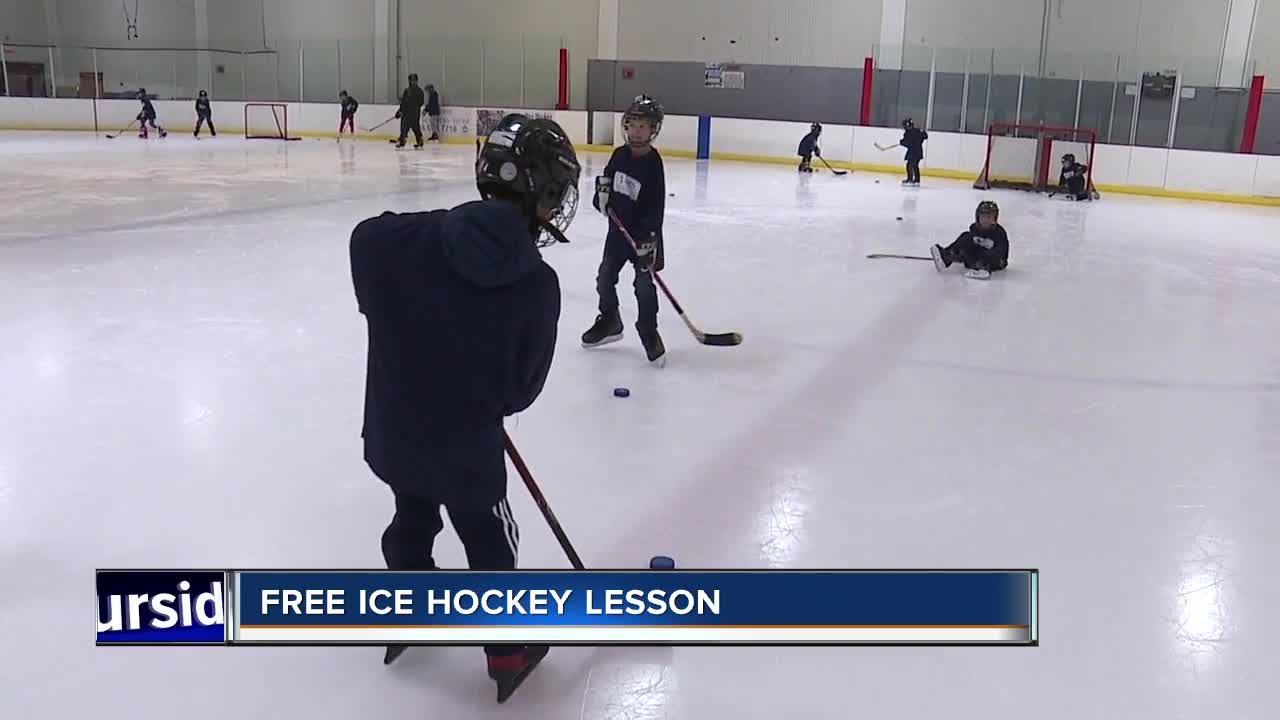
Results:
433 103
350 105
809 145
203 108
913 140
998 253
148 110
411 101
462 314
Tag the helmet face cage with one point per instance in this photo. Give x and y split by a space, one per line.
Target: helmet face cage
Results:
533 160
561 217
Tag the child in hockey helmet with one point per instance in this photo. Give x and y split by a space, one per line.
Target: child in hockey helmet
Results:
982 249
642 122
1075 178
913 140
809 147
631 193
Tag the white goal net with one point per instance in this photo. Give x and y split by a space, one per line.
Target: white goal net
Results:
1029 157
267 121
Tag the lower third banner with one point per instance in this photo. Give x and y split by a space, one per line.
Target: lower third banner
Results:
628 607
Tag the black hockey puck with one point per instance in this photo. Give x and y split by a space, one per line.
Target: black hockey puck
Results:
899 217
621 392
662 562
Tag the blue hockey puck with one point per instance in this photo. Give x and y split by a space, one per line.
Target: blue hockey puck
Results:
662 562
621 392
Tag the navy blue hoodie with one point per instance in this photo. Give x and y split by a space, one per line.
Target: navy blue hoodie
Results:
462 314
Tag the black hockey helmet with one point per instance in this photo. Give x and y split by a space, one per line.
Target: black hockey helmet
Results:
533 162
204 94
1068 158
987 207
908 124
645 108
413 77
142 92
816 127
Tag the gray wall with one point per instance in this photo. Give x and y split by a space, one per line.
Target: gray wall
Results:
772 92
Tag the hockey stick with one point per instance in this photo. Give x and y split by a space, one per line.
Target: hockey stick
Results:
122 130
875 256
884 148
715 339
541 501
384 122
833 170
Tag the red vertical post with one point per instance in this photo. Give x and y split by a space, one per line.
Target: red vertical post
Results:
868 81
563 103
1251 115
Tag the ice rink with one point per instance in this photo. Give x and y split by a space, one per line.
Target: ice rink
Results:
183 371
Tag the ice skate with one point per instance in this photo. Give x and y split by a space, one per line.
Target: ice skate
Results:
653 347
509 671
978 274
940 259
607 329
393 652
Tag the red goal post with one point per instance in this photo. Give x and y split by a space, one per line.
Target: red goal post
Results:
1029 157
267 121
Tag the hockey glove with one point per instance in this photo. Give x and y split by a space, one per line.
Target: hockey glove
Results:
604 185
397 115
817 151
647 253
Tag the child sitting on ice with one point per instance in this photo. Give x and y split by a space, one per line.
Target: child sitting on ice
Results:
983 249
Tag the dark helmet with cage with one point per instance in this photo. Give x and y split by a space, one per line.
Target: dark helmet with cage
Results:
1068 159
413 78
908 124
532 163
987 207
204 94
142 93
816 127
646 109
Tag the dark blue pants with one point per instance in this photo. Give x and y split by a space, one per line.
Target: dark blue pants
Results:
489 536
616 256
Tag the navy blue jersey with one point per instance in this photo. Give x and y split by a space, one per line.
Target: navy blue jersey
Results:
461 312
203 108
999 242
350 105
809 145
639 193
913 140
1073 176
148 110
433 103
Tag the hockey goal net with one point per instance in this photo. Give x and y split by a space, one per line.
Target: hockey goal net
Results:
267 121
1029 157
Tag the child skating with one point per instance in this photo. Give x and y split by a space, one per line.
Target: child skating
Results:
633 187
148 115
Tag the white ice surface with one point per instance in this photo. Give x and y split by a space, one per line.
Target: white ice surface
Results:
182 367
